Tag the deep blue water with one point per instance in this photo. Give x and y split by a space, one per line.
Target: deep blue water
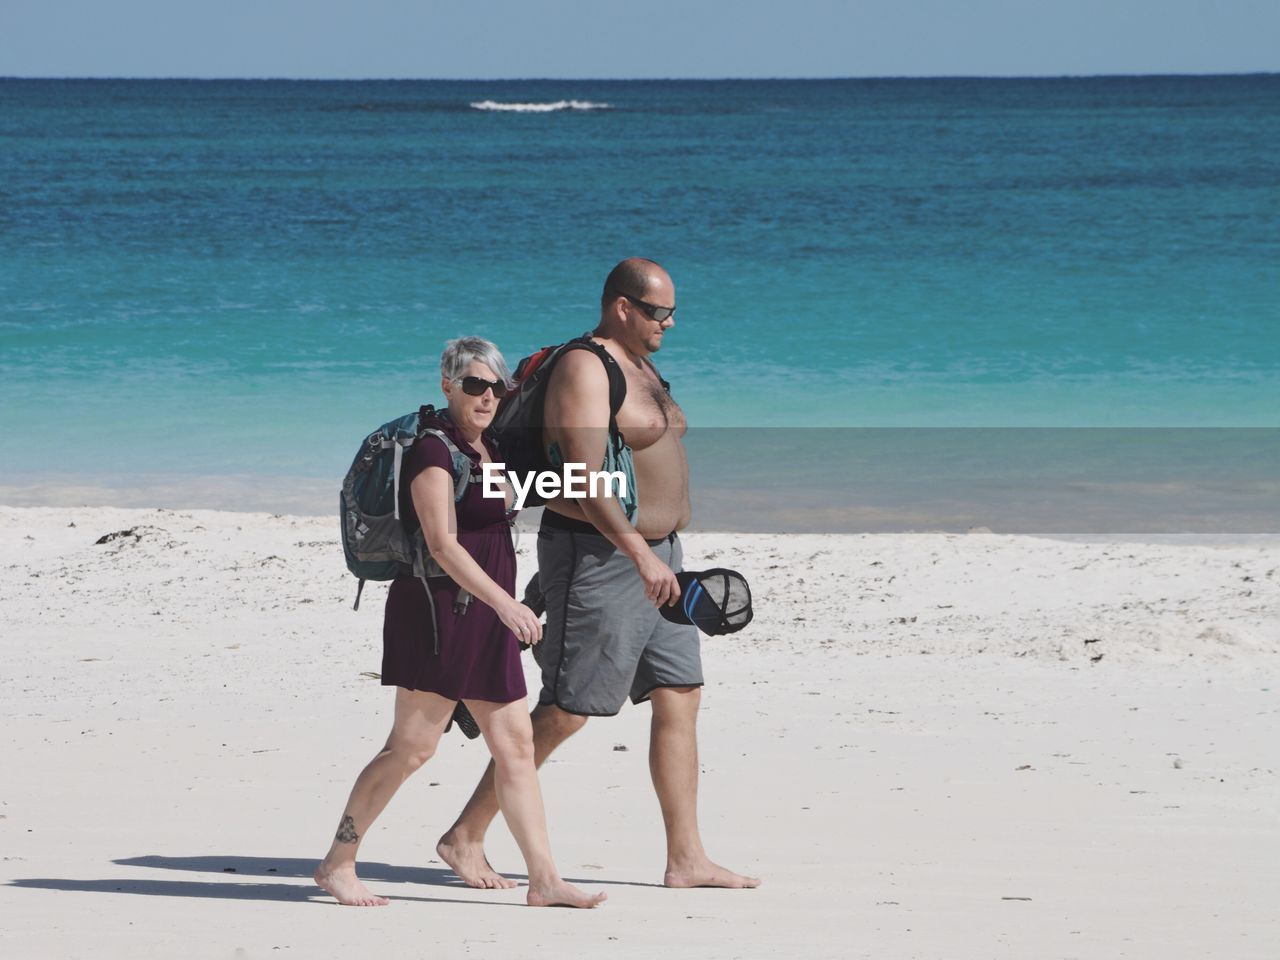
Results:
249 275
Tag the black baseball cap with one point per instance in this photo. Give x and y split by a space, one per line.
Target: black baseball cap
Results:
716 601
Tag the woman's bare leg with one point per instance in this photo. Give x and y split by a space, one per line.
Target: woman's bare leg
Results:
509 734
420 719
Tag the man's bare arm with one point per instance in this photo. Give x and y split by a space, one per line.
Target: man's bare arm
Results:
577 418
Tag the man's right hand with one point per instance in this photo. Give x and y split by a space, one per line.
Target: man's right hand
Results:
660 583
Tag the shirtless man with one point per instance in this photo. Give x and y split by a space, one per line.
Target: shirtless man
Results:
611 641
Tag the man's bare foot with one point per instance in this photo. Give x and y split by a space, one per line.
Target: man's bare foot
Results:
559 893
704 873
468 861
343 885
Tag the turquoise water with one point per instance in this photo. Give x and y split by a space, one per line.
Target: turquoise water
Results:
249 275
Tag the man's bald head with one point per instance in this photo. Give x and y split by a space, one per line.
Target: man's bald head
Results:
632 277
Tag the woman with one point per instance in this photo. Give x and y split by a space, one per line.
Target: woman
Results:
478 660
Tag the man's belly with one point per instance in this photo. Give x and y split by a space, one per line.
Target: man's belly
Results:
662 484
662 481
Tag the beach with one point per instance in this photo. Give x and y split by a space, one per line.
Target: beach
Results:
928 745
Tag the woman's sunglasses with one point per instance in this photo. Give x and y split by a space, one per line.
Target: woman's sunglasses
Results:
476 386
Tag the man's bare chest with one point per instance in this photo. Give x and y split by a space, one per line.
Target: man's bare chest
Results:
648 412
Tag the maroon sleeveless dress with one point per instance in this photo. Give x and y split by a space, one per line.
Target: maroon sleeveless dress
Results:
479 657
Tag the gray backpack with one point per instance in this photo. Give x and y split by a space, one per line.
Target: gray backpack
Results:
373 538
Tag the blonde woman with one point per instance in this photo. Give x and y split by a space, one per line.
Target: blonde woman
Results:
474 654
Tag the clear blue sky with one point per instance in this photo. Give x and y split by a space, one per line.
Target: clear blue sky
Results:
610 38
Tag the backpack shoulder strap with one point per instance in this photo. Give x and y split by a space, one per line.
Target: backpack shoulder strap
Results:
461 476
617 379
665 385
461 462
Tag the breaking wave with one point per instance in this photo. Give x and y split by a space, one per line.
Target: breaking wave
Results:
539 107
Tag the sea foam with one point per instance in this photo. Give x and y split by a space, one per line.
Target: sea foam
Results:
547 107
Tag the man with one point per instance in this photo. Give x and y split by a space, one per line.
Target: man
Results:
611 641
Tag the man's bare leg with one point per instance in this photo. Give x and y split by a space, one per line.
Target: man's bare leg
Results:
673 763
462 846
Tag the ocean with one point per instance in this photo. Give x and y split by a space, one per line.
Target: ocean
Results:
894 295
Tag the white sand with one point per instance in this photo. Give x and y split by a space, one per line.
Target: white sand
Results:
190 702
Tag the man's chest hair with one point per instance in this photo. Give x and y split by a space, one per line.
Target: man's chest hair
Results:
648 405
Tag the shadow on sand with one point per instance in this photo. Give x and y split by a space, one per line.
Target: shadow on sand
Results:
284 892
369 870
296 867
291 867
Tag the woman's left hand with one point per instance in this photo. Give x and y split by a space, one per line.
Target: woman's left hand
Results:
522 621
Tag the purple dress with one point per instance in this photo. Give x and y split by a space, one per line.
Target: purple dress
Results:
479 657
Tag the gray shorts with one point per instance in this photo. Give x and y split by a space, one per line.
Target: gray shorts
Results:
604 639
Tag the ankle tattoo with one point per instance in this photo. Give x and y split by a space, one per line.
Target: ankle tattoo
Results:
347 831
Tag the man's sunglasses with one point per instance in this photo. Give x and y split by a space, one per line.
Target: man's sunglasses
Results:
476 386
650 310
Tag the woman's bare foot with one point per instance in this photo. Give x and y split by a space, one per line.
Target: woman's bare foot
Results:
468 861
704 873
343 885
559 893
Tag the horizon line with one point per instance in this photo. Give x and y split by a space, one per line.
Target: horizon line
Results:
670 79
